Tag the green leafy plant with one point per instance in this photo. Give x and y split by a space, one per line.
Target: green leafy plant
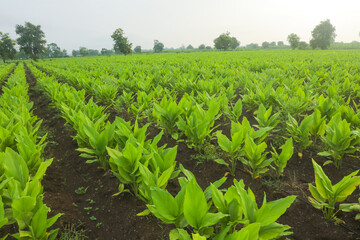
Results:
255 158
98 143
199 124
300 133
317 127
325 195
167 112
266 215
339 140
263 117
280 160
234 111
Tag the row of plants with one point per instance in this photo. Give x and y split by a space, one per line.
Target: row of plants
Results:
147 168
333 120
22 165
5 70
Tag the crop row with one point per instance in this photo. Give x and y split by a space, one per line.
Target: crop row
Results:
308 106
21 165
147 168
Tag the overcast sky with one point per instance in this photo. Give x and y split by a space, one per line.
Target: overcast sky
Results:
90 23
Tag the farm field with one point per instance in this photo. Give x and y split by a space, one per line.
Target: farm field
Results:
126 134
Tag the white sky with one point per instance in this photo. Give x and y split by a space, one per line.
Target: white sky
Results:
90 23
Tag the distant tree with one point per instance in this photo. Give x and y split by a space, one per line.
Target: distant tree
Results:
303 45
208 47
64 53
265 45
7 47
158 46
104 51
273 44
121 43
323 35
223 42
21 55
280 43
234 43
190 47
75 53
137 49
252 46
53 51
294 40
202 47
31 40
83 51
93 52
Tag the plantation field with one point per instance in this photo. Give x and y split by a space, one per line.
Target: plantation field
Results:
168 146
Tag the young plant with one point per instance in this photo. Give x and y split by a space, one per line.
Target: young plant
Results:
255 158
263 117
199 124
266 215
339 140
317 127
280 160
98 142
167 112
233 147
234 111
325 195
300 133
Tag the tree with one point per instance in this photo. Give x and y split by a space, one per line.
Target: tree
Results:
158 46
64 53
280 43
265 45
7 49
83 51
323 35
202 47
294 40
234 43
252 46
137 49
208 47
302 45
53 51
190 47
75 53
223 42
273 44
121 43
31 40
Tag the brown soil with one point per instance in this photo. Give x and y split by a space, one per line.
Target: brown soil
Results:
116 216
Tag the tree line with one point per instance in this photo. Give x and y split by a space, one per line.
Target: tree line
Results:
32 42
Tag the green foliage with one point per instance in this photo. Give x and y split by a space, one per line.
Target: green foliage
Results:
325 195
31 40
199 124
121 43
339 139
323 35
263 117
280 160
158 46
7 47
294 40
167 114
255 158
300 133
233 112
137 49
223 42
